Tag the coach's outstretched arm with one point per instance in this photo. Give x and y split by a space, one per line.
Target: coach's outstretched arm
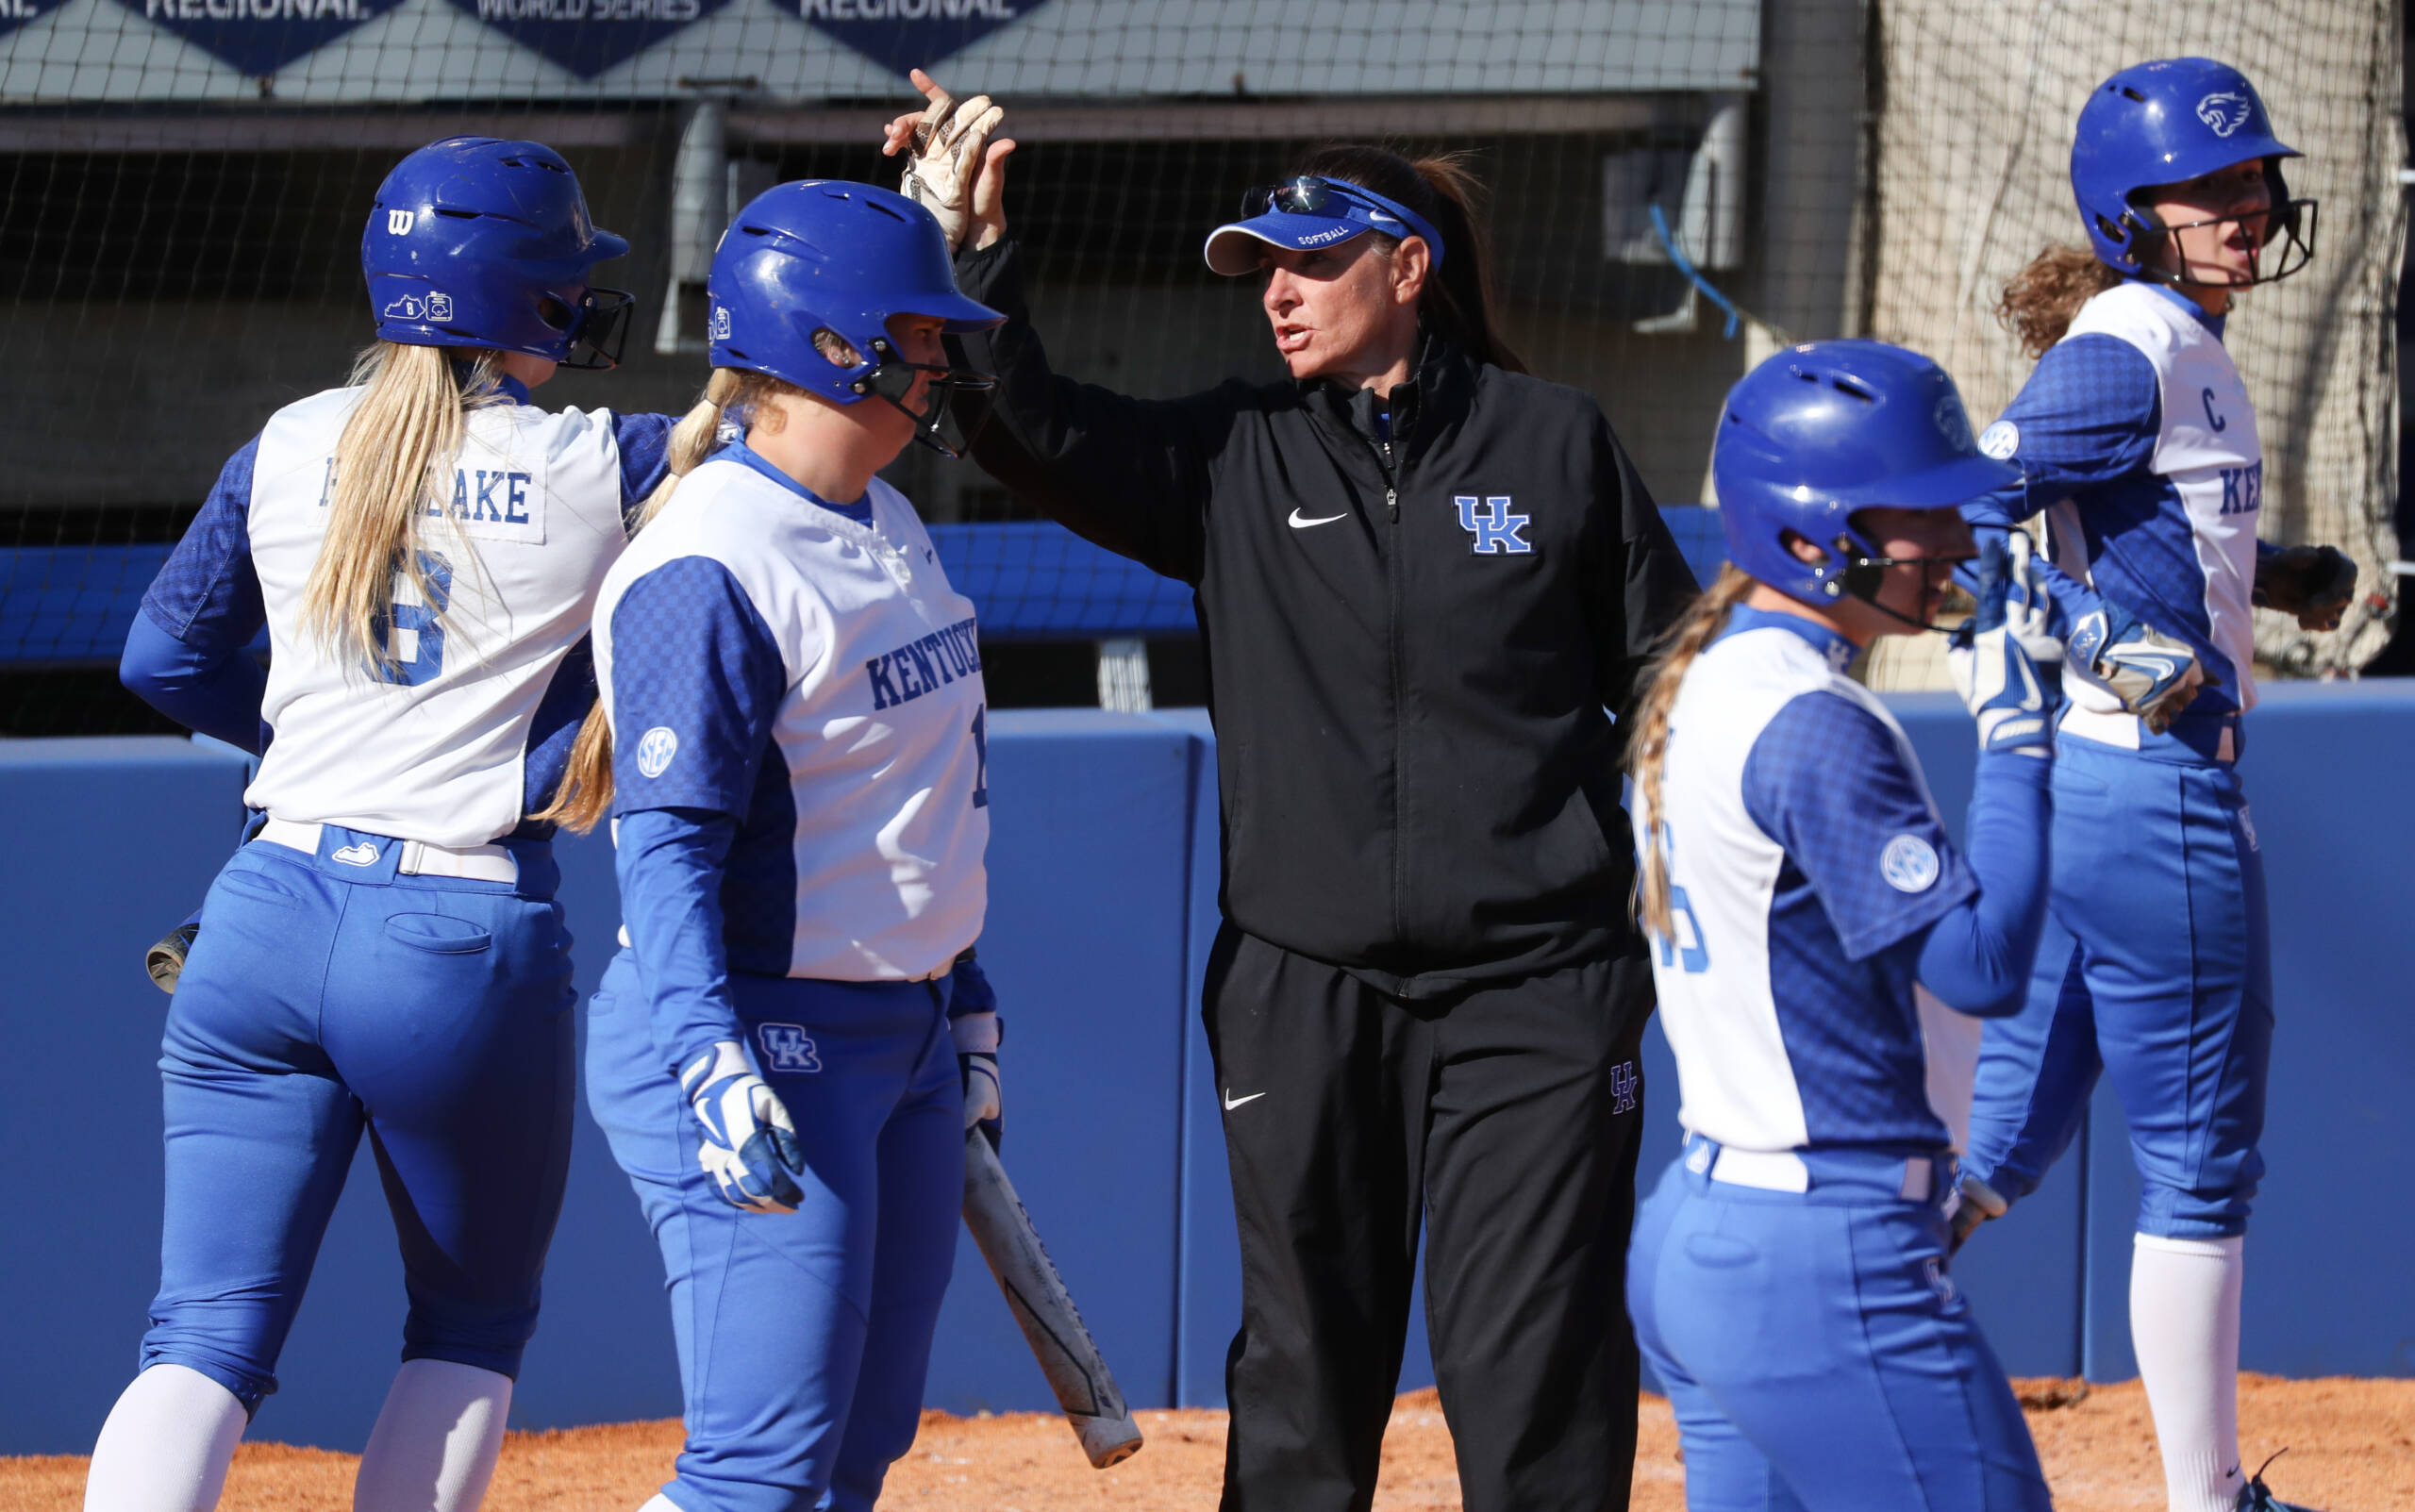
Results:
1131 475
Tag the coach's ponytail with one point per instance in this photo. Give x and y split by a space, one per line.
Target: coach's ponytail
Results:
1647 752
585 793
2042 299
392 469
1457 303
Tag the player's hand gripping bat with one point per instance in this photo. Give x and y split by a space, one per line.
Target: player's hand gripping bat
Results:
1036 1295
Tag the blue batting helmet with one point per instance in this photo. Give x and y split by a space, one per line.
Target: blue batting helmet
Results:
827 254
476 241
2164 123
1822 430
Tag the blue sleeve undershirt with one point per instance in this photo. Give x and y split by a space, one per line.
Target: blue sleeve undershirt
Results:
1976 957
644 441
1827 780
185 655
970 992
696 675
2091 412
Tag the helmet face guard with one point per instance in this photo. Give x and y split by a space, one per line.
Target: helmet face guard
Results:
2293 220
598 328
890 379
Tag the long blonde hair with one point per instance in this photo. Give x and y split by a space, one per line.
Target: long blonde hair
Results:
390 471
1648 750
585 793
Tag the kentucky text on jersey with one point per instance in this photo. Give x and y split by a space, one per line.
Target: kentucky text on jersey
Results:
914 669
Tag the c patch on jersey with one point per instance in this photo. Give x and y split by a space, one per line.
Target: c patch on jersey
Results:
655 750
1909 864
788 1048
2000 440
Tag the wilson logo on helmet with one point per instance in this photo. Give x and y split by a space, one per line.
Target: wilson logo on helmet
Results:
2224 113
398 223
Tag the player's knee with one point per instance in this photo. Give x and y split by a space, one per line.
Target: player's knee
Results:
487 1338
250 1382
2183 1213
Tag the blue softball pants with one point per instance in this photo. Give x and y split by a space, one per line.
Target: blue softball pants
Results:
804 1338
2159 977
1816 1353
323 998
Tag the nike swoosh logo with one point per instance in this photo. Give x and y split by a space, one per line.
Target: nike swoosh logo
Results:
1231 1102
1298 523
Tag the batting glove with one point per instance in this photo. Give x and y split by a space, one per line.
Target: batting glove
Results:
1994 667
749 1147
977 1037
2153 674
948 146
1974 1203
2314 583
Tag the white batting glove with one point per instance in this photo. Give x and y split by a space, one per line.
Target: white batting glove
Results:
976 1060
749 1148
2153 674
948 146
2029 608
1992 666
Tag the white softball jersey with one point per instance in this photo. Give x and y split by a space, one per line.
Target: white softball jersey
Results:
1807 861
437 746
770 656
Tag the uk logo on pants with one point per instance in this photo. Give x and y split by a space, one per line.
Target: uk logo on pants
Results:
1625 1084
1496 528
786 1048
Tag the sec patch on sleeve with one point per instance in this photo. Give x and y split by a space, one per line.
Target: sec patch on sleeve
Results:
1909 864
655 750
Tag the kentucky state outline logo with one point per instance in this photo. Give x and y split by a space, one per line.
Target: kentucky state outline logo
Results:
1493 526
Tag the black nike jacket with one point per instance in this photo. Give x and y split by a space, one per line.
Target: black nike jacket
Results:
1410 641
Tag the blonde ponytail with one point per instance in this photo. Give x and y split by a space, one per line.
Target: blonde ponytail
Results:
388 472
585 793
1649 748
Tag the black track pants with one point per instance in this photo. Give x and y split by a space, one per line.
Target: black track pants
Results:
1507 1122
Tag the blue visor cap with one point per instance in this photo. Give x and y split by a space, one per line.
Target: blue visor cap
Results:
1307 212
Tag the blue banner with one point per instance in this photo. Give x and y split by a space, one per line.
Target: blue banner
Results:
256 37
901 35
589 36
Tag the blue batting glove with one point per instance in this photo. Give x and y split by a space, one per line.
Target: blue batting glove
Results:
2151 674
749 1147
1993 667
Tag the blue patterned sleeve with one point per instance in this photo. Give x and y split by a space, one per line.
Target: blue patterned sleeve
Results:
185 655
207 595
696 684
2091 412
1828 781
644 442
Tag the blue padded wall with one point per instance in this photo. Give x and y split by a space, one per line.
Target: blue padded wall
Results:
1104 867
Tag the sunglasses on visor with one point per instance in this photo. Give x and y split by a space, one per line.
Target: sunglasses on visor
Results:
1307 194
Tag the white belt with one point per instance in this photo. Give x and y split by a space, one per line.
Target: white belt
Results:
479 863
2127 731
1784 1170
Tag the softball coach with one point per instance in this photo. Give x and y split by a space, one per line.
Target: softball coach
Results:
1422 575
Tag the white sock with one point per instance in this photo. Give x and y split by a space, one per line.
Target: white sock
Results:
435 1444
2184 1324
166 1444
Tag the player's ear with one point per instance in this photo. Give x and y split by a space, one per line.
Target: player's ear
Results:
1412 263
1805 550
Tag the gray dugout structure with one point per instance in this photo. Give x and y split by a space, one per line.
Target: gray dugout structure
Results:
182 182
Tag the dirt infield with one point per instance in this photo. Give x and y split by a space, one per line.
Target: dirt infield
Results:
2351 1449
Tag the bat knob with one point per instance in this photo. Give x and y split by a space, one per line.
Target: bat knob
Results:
1108 1441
